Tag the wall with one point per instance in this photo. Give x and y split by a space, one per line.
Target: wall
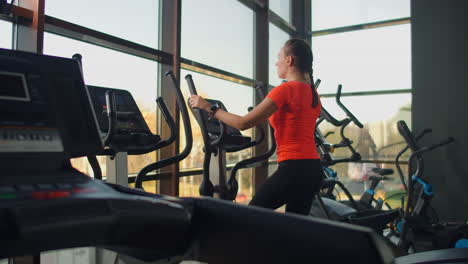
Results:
440 83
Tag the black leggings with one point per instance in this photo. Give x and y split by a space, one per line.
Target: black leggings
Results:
295 183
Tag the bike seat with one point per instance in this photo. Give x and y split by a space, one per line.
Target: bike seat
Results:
382 171
379 178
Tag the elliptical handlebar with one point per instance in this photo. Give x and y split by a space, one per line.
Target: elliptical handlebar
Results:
345 142
317 83
232 184
191 85
397 158
219 139
111 116
407 135
343 107
185 117
170 122
188 134
260 89
327 158
432 147
199 116
327 116
324 114
252 143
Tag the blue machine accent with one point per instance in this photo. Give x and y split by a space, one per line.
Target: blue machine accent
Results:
462 243
369 191
426 186
399 225
330 173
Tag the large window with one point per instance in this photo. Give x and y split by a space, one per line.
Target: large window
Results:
277 38
281 8
338 13
218 34
134 21
368 61
5 35
365 60
108 68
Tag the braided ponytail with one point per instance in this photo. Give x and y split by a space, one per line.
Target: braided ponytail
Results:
314 90
304 57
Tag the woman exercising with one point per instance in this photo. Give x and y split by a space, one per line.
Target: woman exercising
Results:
292 109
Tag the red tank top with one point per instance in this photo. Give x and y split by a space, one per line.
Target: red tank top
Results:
294 121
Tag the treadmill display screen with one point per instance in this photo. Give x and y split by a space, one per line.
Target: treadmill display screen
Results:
13 87
44 108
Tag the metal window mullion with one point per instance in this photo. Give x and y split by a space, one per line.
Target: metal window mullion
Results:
282 24
30 36
252 4
366 93
261 59
378 24
300 19
215 72
170 42
80 33
22 13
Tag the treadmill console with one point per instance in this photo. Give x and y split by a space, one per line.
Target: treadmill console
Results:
26 121
46 118
44 107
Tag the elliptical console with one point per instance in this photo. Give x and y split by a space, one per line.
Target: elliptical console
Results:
131 133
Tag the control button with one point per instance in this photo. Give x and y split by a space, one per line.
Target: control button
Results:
7 196
25 187
45 186
82 185
64 185
39 195
84 190
21 136
7 189
58 194
50 195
